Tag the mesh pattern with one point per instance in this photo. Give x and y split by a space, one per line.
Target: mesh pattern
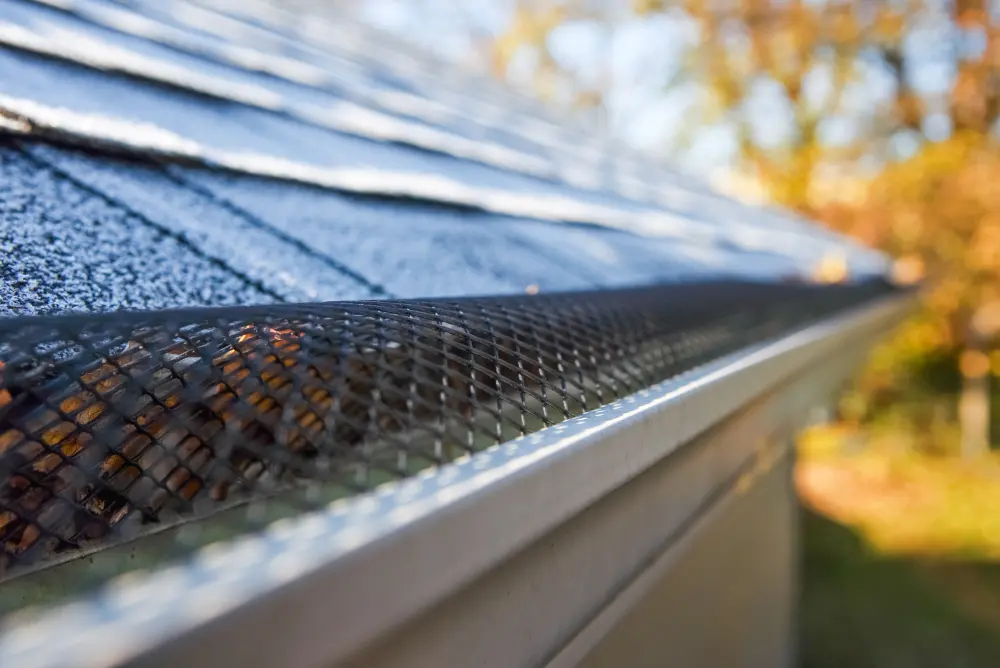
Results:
111 425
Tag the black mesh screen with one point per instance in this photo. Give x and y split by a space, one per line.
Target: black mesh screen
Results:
112 425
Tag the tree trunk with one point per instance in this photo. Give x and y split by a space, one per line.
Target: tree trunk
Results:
974 405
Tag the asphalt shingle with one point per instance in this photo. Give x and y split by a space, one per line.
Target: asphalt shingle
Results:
65 249
282 265
412 250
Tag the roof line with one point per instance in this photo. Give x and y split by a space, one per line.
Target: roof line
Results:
268 101
347 117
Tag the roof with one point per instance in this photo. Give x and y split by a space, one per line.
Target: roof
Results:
158 154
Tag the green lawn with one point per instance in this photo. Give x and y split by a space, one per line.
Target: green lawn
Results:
902 562
861 609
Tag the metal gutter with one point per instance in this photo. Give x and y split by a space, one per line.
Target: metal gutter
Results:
321 587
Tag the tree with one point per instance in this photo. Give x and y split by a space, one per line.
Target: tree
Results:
882 126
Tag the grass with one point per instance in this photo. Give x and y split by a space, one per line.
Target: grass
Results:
902 558
862 610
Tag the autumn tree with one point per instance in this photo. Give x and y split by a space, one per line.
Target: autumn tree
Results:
881 123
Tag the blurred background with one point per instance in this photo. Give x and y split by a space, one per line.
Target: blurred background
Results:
878 119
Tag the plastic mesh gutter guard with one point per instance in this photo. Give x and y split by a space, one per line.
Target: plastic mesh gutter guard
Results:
115 426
